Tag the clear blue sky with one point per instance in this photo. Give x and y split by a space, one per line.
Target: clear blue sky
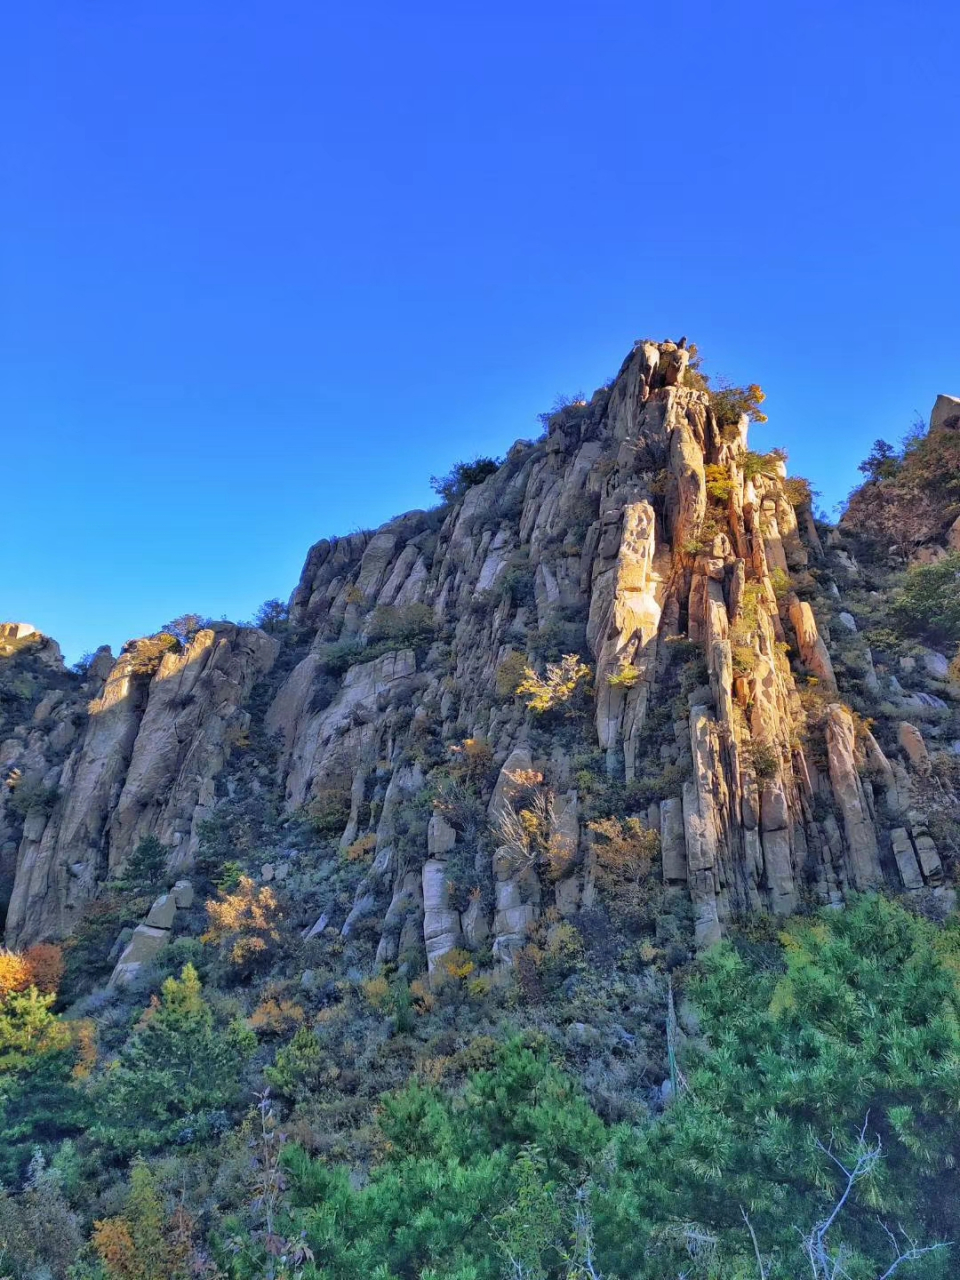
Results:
265 267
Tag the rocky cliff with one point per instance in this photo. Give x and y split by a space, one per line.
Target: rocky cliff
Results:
729 686
131 749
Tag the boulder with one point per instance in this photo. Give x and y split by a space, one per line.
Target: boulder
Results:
441 837
945 412
147 943
183 894
441 924
813 652
936 664
906 859
911 740
161 915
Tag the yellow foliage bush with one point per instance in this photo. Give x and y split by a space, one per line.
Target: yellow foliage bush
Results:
719 483
85 1038
275 1016
376 992
472 759
625 678
14 973
361 849
625 851
421 996
525 830
556 690
143 1243
245 923
40 966
458 964
113 1242
730 403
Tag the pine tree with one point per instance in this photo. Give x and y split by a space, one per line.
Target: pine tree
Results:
862 1023
39 1101
177 1075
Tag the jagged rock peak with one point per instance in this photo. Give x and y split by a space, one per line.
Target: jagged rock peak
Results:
16 636
639 536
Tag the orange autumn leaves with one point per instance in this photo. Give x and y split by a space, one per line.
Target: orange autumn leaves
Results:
29 981
40 966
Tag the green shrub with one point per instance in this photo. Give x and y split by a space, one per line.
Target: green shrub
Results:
335 659
463 476
32 797
442 1201
328 810
146 655
517 581
928 603
856 1031
146 867
409 625
780 581
177 1074
764 757
510 673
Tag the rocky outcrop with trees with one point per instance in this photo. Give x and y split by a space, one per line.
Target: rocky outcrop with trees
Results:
672 593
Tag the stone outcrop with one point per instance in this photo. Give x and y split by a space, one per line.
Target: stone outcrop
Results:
639 534
155 736
152 935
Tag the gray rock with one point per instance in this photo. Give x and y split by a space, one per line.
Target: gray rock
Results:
183 894
145 944
936 664
906 859
944 409
163 912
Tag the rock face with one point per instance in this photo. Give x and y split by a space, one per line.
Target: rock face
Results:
154 737
639 534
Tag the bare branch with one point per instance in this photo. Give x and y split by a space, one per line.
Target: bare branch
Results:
756 1247
830 1264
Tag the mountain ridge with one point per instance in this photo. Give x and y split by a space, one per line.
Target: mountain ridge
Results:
639 530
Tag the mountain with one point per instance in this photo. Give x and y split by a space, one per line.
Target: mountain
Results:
641 534
562 885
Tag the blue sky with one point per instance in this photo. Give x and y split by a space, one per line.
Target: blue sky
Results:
265 267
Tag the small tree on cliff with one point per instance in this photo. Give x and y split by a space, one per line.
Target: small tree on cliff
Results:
145 869
186 626
463 477
560 689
